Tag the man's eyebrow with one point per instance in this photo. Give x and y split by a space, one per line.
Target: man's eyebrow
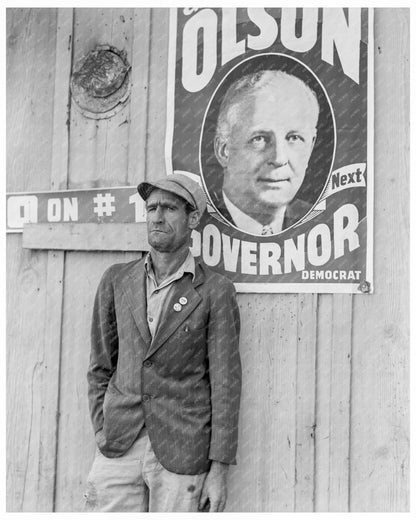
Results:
261 129
300 130
162 204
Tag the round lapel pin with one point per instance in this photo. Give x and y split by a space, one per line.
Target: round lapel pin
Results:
177 307
183 300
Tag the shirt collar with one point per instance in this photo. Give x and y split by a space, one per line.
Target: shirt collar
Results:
246 223
188 266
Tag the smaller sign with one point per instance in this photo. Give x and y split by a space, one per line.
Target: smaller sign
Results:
103 205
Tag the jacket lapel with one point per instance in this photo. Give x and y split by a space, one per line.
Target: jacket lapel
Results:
170 319
134 288
294 212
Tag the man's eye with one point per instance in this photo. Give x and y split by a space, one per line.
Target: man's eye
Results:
295 138
259 141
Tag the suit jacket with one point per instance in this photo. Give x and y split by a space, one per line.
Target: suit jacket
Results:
294 211
184 385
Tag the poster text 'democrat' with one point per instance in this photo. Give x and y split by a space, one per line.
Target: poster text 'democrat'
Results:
340 31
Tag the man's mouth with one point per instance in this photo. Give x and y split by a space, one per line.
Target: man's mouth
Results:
268 180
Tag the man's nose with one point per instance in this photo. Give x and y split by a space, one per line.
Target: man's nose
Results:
278 152
157 214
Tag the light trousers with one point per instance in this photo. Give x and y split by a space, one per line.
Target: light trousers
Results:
137 481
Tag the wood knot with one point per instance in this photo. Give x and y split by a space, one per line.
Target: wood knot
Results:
100 83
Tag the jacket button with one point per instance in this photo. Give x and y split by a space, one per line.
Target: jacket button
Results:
147 363
145 397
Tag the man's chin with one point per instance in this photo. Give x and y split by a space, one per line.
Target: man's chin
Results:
166 246
274 201
160 245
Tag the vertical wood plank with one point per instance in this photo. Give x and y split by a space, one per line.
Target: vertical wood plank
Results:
31 57
62 101
305 402
158 77
379 471
264 477
90 29
31 37
26 304
340 403
333 403
323 402
139 96
50 388
55 269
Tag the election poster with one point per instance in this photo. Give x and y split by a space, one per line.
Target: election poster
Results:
271 111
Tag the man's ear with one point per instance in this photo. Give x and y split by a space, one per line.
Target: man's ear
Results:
312 144
193 219
221 150
313 141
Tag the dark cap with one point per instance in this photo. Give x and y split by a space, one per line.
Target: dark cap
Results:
180 185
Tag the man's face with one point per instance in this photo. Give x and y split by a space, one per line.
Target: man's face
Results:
168 223
271 137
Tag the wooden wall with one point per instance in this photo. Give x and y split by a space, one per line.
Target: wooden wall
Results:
324 417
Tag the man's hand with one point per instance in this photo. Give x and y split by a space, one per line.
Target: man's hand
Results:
215 488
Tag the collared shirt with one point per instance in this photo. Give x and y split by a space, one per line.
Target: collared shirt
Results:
246 223
157 294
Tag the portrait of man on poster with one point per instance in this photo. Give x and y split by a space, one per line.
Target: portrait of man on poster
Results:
265 133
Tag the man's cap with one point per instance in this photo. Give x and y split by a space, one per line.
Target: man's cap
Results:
178 184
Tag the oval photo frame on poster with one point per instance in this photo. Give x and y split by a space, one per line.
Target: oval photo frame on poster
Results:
321 159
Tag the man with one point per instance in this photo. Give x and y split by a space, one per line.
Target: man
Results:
165 375
265 134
